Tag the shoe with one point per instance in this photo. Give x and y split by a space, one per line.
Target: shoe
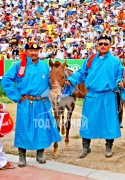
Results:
9 165
41 160
39 156
121 126
84 153
108 152
22 157
22 161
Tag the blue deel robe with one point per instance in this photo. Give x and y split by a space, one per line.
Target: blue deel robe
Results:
99 113
122 90
35 125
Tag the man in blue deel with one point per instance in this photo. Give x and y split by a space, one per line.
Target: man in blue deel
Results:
27 83
99 114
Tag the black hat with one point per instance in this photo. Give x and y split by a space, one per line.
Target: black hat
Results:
32 45
105 37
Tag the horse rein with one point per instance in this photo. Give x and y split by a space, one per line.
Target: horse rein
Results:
66 73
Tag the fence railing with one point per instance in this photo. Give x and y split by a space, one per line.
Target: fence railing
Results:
73 64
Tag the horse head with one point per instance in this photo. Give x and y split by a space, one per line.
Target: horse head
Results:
57 77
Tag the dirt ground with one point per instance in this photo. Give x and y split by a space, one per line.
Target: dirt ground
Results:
70 155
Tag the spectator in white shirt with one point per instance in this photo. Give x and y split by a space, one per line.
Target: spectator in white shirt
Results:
83 51
62 14
42 54
60 54
4 46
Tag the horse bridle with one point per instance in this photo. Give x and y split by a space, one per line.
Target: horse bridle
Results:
63 88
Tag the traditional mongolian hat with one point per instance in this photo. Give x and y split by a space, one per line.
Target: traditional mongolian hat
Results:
30 45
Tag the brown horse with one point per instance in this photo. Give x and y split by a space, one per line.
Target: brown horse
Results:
58 75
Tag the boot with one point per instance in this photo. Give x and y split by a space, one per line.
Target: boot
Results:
86 148
22 157
121 126
109 144
39 156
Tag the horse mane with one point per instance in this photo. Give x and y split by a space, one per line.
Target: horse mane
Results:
56 64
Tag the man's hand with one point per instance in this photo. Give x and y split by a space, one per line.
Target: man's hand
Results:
120 85
22 98
68 83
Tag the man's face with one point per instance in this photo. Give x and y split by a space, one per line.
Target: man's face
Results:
119 39
104 45
32 53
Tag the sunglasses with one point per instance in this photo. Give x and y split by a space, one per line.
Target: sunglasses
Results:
103 43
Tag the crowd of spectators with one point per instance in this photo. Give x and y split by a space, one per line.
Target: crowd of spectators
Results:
63 29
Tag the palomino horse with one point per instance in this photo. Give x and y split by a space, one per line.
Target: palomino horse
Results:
58 75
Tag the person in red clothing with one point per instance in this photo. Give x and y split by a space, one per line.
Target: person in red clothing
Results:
107 27
73 29
7 18
107 3
49 40
94 8
4 164
28 13
121 15
24 33
35 26
120 51
51 17
43 26
76 55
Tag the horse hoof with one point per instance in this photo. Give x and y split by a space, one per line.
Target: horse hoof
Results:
66 142
67 148
62 131
55 155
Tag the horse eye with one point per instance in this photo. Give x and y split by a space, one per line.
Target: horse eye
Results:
62 77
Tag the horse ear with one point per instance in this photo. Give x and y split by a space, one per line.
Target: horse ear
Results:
64 64
50 63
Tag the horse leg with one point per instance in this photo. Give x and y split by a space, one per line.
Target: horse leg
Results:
68 125
57 118
63 128
55 149
68 122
